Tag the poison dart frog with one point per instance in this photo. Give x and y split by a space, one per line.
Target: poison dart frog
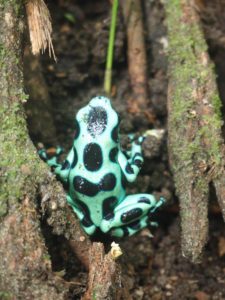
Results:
96 172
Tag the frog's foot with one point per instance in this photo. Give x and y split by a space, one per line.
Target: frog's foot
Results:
85 220
51 155
132 160
135 147
131 137
43 154
133 211
132 228
138 140
90 230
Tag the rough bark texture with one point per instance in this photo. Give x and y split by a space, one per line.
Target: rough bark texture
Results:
62 219
25 266
195 144
104 280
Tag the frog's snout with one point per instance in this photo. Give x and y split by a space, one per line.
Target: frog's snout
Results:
100 101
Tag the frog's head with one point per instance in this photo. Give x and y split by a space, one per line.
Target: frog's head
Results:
98 118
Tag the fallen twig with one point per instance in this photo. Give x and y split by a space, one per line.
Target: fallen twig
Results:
137 61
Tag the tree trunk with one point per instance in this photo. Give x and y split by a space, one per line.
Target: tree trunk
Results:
25 266
24 260
195 141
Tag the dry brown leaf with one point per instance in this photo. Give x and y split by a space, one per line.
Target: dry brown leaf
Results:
40 27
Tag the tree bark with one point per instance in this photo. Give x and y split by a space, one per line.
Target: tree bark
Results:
105 280
195 141
25 265
24 261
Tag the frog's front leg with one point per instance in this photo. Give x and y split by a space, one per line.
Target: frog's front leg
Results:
132 166
133 211
83 215
62 170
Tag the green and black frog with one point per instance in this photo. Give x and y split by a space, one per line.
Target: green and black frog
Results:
96 172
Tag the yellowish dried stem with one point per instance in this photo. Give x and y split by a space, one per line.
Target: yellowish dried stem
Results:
40 27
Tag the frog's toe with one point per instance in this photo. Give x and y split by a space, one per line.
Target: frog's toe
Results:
59 150
118 232
90 230
141 140
43 155
158 204
131 137
105 225
154 224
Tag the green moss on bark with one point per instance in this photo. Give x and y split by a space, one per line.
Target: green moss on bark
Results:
23 264
16 150
187 45
17 153
194 122
5 295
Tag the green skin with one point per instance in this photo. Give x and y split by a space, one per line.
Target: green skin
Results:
96 172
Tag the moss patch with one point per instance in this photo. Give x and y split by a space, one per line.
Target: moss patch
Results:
188 75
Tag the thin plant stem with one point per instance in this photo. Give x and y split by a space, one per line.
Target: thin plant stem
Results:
109 61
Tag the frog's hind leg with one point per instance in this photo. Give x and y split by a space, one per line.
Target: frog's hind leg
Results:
132 228
84 217
133 211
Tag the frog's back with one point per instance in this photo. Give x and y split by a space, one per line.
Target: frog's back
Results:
95 177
